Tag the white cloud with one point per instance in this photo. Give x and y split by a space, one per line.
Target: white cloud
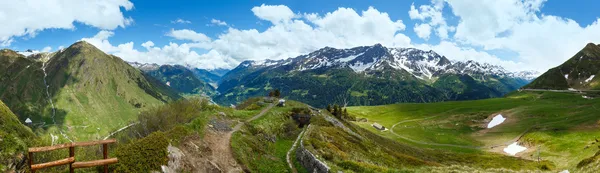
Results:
169 54
273 13
218 22
462 53
47 49
432 16
423 30
541 41
181 21
186 34
27 18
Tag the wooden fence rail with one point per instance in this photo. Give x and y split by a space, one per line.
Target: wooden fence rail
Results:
71 159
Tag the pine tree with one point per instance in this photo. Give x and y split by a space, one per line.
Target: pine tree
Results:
329 109
345 114
271 94
277 93
336 110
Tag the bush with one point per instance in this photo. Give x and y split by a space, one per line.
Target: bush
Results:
143 155
168 116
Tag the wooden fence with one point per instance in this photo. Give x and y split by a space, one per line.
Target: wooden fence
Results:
71 159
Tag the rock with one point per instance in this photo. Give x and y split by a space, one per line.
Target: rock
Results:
222 114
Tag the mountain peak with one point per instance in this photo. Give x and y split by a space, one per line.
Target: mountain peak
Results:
84 46
9 53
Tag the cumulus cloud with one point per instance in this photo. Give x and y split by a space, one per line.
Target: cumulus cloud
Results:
423 30
273 13
172 53
541 41
27 18
186 34
181 21
432 17
218 22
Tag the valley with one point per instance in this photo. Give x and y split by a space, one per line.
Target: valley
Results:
407 111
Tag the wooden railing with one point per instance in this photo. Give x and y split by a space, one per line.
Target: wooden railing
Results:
71 159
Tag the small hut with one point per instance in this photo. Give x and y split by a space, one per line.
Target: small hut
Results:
281 103
28 122
378 126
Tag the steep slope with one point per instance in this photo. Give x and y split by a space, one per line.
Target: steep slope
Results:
88 94
579 72
22 84
14 137
367 75
182 80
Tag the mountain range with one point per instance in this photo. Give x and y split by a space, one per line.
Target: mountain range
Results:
370 75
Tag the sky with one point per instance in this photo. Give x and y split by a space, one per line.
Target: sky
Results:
516 34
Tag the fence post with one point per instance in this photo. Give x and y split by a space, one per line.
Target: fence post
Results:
71 154
31 161
105 153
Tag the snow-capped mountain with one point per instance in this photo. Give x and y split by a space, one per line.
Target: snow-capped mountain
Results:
424 65
369 75
144 66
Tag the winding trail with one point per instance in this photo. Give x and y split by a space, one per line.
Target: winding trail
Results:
121 129
287 156
221 145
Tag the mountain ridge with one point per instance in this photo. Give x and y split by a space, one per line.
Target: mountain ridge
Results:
361 70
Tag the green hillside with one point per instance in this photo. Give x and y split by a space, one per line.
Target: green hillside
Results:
578 72
561 127
14 139
22 84
93 93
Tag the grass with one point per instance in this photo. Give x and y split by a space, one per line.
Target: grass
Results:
373 153
560 125
261 145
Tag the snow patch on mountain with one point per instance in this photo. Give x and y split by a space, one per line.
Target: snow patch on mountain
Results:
590 78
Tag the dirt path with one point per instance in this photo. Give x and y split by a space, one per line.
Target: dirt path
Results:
287 156
121 129
220 143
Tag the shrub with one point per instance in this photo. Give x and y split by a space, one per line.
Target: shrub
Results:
168 116
143 155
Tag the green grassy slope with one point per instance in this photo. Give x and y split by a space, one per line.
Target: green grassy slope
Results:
262 144
574 73
95 93
562 127
369 152
14 138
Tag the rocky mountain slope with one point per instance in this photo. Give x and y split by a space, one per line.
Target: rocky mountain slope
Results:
579 72
369 75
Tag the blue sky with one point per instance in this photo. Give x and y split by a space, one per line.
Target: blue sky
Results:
519 22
